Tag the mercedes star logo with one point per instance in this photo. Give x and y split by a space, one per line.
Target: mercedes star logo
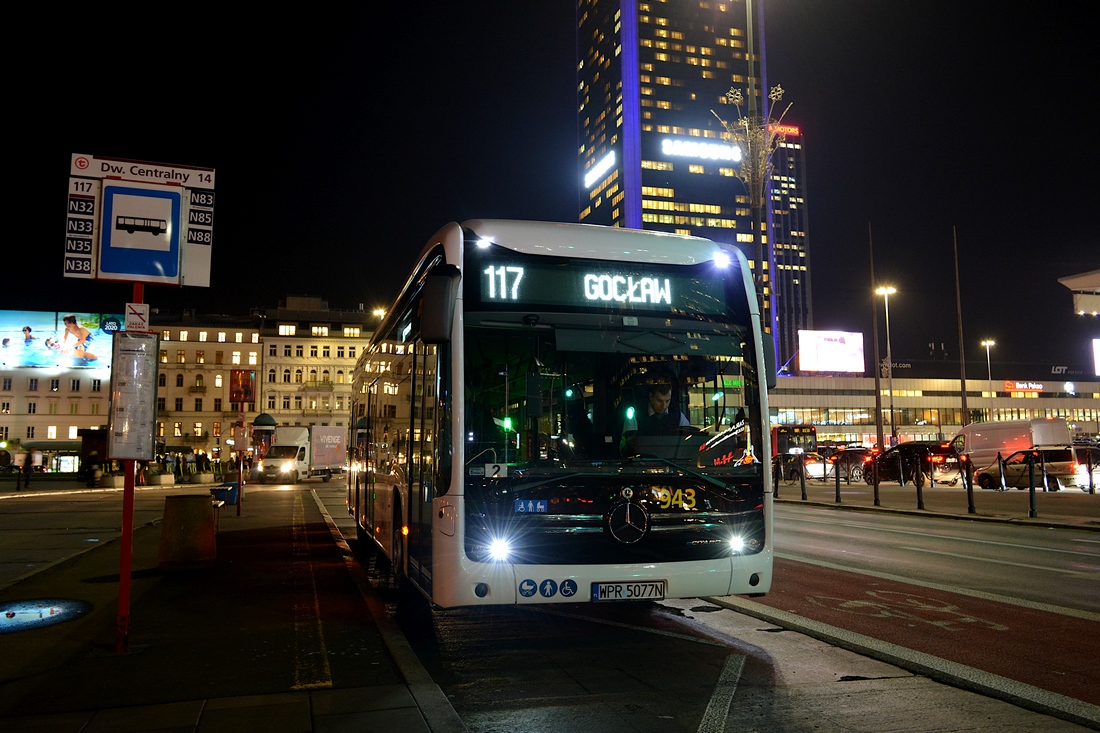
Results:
628 522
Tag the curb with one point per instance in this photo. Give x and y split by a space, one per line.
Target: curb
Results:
957 675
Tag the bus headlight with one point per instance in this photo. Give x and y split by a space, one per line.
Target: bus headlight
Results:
748 545
499 550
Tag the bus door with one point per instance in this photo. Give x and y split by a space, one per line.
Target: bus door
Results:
422 463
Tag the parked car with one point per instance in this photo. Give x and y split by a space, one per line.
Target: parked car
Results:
1083 453
936 459
1057 462
849 462
814 464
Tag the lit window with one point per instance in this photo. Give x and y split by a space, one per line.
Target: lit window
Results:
236 359
286 329
202 335
183 335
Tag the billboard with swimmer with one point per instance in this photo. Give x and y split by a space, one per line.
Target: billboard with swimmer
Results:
56 339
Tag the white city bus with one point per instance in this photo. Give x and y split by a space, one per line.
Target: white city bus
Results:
490 463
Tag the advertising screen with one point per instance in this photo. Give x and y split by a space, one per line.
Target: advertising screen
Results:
830 351
47 339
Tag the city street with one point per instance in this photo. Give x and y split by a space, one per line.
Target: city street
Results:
926 584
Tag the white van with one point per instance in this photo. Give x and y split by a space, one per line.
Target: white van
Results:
980 442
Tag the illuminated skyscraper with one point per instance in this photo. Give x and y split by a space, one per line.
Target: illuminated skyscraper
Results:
791 256
652 154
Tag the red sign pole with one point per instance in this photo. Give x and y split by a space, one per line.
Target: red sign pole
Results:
126 560
122 625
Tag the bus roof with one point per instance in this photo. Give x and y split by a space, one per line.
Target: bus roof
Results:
588 241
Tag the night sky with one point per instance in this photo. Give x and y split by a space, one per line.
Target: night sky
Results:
342 143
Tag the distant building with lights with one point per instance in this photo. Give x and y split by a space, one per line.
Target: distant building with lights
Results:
309 353
791 246
651 155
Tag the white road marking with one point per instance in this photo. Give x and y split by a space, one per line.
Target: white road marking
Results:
714 719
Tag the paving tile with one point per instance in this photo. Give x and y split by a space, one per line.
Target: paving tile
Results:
361 699
405 720
172 716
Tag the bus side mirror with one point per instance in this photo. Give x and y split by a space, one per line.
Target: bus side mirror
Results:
437 304
768 343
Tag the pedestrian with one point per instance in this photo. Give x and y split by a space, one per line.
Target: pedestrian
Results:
28 466
93 467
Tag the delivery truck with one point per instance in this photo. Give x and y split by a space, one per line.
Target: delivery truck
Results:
980 442
298 453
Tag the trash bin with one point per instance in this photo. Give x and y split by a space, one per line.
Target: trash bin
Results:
226 492
187 532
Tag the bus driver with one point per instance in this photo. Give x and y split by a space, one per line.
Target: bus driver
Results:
662 417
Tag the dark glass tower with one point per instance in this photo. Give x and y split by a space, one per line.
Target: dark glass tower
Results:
651 76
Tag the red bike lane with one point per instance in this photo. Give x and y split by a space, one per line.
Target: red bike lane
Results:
1048 650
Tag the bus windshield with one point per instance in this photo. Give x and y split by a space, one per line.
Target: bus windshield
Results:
558 397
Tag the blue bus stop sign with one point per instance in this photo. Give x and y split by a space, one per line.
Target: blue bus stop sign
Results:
140 234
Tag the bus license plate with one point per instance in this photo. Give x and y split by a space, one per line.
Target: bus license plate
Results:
644 590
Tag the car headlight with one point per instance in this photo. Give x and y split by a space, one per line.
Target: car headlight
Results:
288 467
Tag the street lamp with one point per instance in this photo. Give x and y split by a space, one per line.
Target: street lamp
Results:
989 374
886 292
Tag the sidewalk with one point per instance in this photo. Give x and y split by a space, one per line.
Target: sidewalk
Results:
1069 508
280 633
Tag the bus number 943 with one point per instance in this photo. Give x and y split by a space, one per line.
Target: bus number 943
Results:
680 498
